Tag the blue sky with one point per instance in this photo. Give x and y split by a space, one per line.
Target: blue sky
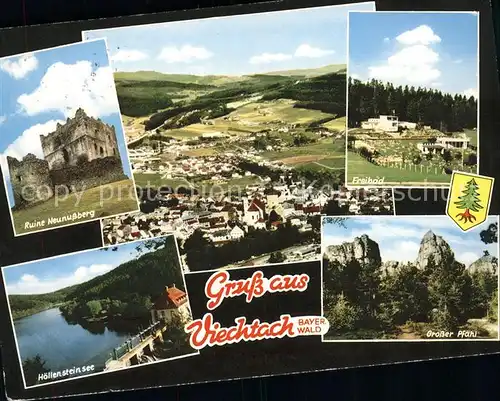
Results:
438 50
399 237
235 45
48 275
45 87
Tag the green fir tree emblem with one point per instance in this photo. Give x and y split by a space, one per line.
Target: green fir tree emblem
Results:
469 201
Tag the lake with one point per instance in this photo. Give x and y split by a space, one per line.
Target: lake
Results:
63 345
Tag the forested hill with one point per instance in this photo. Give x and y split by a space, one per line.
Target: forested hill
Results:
25 305
142 278
145 276
442 111
325 92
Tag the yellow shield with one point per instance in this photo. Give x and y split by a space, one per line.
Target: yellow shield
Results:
469 199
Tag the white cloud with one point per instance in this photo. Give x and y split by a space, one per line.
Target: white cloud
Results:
355 76
414 64
458 61
306 50
20 68
266 58
436 84
401 251
66 87
422 34
128 56
471 92
3 119
467 257
28 142
31 284
184 54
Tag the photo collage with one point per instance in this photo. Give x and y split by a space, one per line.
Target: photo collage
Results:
223 147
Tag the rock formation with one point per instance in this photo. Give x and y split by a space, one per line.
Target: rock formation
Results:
486 263
390 267
435 246
366 251
362 249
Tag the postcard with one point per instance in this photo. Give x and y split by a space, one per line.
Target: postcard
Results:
246 248
409 278
63 151
229 154
413 96
98 311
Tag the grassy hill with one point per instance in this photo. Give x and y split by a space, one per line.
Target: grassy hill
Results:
142 97
145 93
145 276
325 93
179 78
311 72
223 79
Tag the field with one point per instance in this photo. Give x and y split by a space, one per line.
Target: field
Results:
337 124
155 180
472 135
325 149
330 163
267 112
189 132
105 200
200 152
359 167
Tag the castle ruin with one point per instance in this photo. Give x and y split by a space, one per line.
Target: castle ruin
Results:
78 155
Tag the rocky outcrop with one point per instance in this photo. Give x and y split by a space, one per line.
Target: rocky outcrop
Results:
435 246
362 249
486 263
390 267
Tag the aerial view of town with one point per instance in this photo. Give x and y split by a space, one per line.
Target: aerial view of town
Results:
409 123
239 159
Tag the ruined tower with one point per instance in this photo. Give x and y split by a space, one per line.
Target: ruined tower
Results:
30 180
78 155
80 139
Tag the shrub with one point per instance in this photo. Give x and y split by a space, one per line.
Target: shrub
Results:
82 159
343 316
444 320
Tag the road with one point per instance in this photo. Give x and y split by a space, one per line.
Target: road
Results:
291 255
131 141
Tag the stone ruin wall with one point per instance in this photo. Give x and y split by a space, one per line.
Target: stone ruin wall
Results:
81 154
89 174
80 137
30 180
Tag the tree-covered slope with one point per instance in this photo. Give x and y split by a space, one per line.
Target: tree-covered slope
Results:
25 305
146 275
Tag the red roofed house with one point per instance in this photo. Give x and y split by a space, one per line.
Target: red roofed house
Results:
171 303
254 212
